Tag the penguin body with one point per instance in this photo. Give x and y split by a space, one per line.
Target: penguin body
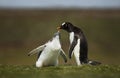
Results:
49 52
78 44
76 49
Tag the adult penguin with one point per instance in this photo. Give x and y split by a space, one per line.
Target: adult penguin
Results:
78 44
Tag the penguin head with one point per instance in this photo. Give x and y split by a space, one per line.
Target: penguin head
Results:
66 26
56 35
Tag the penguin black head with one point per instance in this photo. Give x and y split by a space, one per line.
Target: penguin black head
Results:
66 26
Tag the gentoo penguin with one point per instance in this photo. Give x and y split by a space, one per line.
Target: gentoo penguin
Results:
78 44
49 52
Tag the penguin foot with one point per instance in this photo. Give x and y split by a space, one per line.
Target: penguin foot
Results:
94 63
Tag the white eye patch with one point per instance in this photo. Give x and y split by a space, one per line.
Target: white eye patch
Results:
63 23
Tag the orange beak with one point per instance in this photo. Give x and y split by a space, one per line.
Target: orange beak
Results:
58 28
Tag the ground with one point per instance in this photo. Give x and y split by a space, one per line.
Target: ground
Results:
85 71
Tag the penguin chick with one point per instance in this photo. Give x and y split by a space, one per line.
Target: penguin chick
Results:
49 52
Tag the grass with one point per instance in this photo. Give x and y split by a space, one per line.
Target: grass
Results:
85 71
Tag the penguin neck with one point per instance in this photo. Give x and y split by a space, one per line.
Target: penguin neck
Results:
56 42
56 39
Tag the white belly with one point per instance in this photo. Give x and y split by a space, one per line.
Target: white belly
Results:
49 57
76 50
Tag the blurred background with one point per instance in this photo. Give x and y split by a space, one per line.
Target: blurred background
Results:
26 24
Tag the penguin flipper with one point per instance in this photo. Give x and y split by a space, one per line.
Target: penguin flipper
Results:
62 53
72 46
36 50
39 54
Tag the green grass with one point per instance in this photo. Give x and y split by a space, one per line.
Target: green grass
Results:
85 71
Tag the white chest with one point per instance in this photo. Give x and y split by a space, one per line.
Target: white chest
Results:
71 37
52 49
76 50
50 54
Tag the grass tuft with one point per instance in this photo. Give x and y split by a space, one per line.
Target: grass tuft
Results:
85 71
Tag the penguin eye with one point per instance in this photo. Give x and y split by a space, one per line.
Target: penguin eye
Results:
63 24
66 26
